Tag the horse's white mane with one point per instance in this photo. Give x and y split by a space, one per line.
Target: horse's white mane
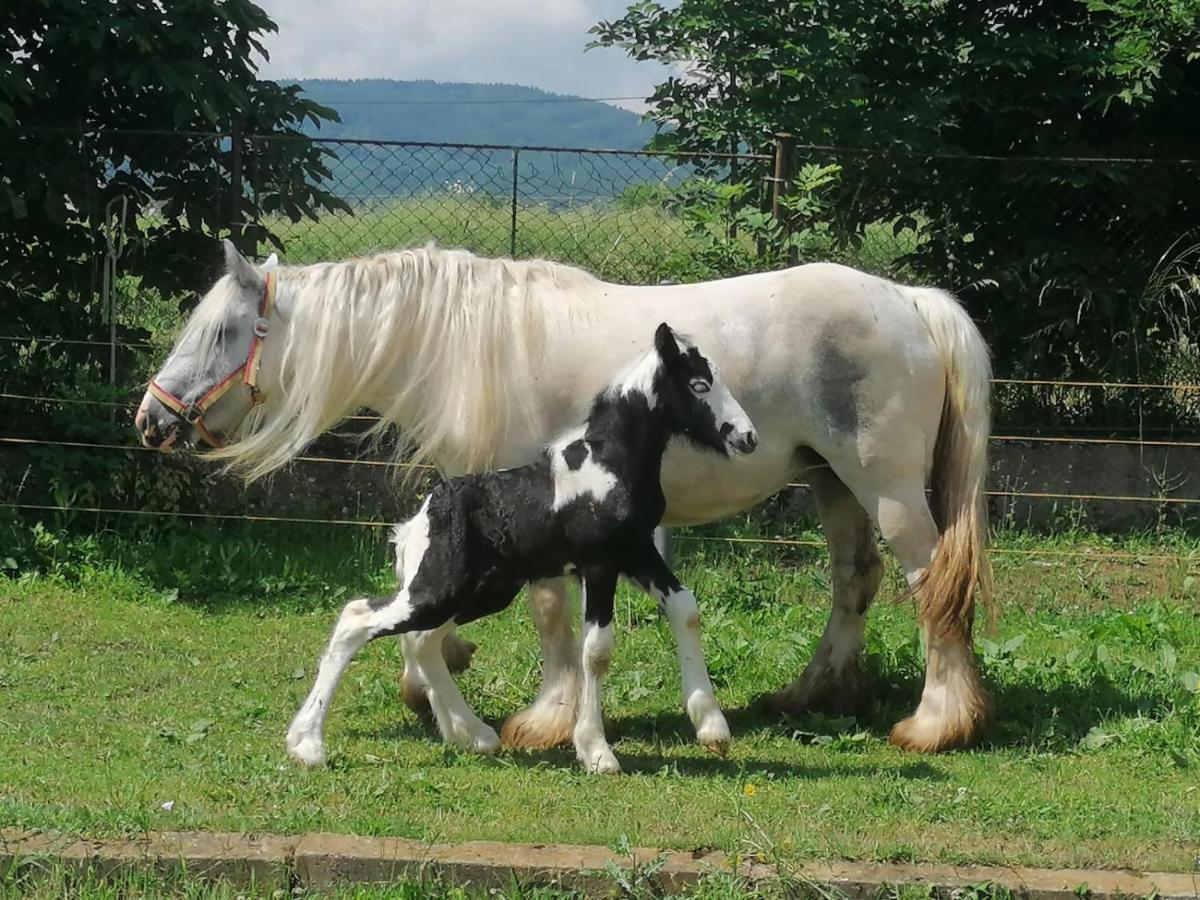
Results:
440 341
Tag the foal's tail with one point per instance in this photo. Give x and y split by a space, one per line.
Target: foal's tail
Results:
960 567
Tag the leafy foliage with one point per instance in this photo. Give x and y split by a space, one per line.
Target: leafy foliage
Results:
918 85
87 90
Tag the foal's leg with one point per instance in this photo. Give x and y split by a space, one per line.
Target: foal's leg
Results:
455 719
456 652
360 621
679 604
834 681
664 544
591 746
550 720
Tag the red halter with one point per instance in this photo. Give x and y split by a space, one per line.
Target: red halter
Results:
193 413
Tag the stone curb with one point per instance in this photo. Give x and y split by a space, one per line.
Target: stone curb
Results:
322 861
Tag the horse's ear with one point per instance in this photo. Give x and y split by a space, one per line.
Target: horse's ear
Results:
271 262
664 343
240 267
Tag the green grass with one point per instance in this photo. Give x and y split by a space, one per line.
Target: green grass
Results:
162 667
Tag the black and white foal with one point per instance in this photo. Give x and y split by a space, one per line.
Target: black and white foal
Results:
588 506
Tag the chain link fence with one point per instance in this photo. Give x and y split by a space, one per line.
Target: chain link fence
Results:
1082 272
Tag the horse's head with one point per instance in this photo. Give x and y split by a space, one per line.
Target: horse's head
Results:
211 379
696 399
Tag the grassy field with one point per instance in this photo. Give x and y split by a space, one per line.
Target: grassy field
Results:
151 670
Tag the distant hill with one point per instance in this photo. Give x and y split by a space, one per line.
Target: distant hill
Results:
383 109
386 110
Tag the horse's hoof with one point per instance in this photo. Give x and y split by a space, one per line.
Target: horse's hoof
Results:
924 733
834 692
539 727
308 751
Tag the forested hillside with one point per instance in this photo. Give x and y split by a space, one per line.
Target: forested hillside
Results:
383 109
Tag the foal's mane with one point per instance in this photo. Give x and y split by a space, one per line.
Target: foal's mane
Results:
441 342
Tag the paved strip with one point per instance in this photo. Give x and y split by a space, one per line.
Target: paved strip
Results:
322 861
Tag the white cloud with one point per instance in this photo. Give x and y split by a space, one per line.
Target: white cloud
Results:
531 42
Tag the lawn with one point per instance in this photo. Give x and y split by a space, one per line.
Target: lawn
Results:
162 668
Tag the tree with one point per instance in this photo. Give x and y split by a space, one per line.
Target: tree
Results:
109 99
1053 258
109 116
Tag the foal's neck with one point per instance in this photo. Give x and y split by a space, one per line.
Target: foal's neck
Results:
632 435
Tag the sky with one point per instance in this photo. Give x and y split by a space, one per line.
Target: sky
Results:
538 43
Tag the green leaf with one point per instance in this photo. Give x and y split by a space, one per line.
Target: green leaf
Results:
1190 681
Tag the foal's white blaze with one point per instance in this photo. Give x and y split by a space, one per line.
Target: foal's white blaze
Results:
590 478
725 408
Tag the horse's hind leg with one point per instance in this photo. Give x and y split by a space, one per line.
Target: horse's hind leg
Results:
550 720
954 705
834 680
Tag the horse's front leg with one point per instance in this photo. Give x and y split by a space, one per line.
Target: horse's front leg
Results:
655 577
550 720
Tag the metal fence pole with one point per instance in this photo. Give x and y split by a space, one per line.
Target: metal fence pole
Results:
512 233
782 185
236 232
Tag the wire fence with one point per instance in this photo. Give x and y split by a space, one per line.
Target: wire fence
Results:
628 217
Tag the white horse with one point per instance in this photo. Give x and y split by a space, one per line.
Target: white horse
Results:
871 390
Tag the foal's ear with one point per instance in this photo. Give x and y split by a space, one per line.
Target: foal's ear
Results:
664 343
241 268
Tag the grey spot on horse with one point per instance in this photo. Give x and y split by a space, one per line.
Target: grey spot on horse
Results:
574 454
839 374
375 603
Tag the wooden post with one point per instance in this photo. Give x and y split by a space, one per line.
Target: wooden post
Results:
781 184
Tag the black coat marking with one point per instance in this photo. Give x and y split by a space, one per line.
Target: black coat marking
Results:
491 533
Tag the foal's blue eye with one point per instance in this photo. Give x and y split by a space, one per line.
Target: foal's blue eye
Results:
699 386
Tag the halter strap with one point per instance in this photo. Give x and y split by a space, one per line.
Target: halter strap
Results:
193 413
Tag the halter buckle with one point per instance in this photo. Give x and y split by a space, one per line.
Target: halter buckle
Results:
192 414
261 327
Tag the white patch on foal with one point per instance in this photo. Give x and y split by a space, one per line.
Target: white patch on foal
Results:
589 478
639 379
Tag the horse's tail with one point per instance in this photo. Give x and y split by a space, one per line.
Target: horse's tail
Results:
960 569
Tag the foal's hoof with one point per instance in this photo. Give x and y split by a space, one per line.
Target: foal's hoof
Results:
719 747
308 751
482 740
603 764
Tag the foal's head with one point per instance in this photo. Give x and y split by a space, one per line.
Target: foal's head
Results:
212 379
690 393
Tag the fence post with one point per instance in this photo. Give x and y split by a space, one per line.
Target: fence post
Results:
512 233
781 184
236 232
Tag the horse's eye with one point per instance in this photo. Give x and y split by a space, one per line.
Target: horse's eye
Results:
700 386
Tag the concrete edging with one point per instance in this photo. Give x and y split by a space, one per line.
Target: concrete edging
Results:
324 860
